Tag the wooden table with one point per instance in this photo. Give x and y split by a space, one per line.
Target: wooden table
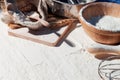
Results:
26 60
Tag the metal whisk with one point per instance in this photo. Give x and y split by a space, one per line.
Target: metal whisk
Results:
109 69
72 1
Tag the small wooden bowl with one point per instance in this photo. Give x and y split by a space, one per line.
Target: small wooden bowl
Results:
100 9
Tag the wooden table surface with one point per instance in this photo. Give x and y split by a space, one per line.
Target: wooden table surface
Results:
26 60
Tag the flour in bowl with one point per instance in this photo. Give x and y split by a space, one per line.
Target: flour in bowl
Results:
107 23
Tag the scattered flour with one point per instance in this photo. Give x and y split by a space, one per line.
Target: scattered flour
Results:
107 23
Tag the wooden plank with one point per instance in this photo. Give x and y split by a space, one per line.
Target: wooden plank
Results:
46 33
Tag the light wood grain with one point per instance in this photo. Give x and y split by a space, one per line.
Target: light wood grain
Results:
26 60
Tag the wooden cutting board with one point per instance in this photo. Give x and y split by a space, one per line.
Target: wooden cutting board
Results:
47 36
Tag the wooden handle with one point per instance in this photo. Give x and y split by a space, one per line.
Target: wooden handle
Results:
103 51
70 27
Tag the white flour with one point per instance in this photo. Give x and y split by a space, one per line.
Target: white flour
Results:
107 23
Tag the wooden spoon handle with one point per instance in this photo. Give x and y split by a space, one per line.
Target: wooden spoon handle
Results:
103 51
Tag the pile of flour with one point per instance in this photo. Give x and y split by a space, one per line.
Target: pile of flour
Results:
107 23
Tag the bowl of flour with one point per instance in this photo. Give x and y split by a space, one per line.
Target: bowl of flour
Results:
101 21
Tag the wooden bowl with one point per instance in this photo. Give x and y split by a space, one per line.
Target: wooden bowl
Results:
100 9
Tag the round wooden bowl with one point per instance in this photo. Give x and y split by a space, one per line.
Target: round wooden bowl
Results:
100 9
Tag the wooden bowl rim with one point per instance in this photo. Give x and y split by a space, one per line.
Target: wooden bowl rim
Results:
92 27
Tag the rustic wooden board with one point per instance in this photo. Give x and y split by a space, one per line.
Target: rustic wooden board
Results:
45 36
